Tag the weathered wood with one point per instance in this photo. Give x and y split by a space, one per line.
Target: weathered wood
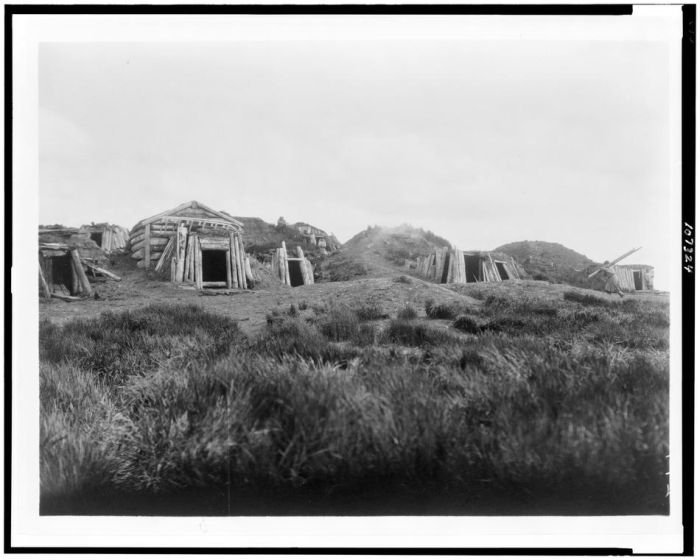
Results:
198 263
234 262
248 270
214 285
82 277
285 263
228 269
181 247
103 271
188 258
43 285
147 247
156 242
65 298
242 284
165 256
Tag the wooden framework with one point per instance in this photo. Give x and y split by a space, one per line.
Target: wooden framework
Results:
281 267
634 277
184 242
448 266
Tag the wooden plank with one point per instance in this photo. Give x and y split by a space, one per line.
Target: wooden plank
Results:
240 272
103 271
188 252
147 247
82 278
180 255
234 262
214 285
163 258
198 263
43 285
228 269
156 242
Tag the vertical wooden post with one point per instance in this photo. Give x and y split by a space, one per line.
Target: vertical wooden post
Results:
84 282
147 247
43 285
198 262
285 263
239 261
234 261
248 270
228 269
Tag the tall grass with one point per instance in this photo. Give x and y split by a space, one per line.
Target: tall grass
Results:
330 404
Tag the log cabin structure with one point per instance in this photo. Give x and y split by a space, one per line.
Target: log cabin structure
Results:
448 266
110 238
193 244
292 271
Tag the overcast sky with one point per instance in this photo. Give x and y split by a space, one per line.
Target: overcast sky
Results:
482 142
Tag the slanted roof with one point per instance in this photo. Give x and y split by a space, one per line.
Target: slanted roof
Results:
182 210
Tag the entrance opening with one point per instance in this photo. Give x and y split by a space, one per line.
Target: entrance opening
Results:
445 270
213 265
62 272
501 270
295 276
638 284
472 266
97 238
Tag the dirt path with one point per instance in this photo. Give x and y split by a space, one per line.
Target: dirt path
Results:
251 307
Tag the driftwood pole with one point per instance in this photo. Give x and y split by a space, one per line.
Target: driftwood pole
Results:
234 261
43 284
82 277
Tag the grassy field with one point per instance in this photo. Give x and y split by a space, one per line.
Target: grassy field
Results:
534 401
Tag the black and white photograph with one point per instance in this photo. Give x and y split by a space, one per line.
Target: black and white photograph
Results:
331 270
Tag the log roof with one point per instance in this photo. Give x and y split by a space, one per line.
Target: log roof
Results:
198 210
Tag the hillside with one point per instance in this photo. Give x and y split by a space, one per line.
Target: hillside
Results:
379 251
553 262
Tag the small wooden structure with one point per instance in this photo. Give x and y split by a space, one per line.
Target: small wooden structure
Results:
110 238
292 271
69 263
448 266
193 243
631 277
634 277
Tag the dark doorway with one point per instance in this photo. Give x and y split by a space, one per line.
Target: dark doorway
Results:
502 270
445 269
213 265
472 265
62 272
96 236
638 284
295 276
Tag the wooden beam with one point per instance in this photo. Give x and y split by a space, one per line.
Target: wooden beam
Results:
228 269
103 271
234 262
147 247
43 285
82 278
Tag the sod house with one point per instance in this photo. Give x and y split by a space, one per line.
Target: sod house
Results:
447 266
66 257
193 244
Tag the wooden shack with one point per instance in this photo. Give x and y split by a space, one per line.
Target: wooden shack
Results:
634 277
448 266
292 271
109 237
69 263
192 244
